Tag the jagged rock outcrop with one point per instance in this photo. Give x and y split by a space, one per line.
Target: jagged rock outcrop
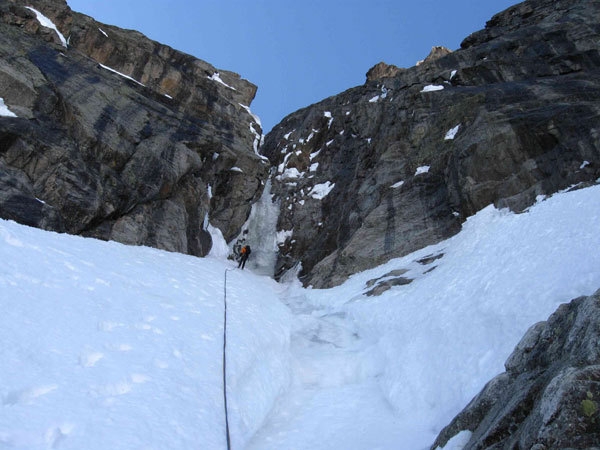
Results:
436 52
386 168
119 137
549 396
382 70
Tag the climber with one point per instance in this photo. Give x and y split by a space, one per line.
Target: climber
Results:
244 254
237 249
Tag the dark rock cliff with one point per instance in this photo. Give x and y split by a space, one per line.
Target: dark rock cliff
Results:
119 137
386 168
549 396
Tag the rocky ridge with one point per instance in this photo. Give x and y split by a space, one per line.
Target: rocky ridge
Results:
119 137
399 163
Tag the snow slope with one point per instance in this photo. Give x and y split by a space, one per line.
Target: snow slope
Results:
105 346
109 346
425 349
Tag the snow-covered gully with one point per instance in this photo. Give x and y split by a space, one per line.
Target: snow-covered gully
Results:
334 382
111 346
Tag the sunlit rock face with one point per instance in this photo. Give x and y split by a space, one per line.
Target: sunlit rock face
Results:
119 137
399 163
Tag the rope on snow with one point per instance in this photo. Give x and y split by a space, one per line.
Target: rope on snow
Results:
225 359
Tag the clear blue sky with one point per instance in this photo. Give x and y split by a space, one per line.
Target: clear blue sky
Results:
299 52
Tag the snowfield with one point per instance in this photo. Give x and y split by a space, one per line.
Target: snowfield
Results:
107 346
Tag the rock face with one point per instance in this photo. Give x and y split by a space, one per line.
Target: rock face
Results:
382 70
386 168
118 137
549 396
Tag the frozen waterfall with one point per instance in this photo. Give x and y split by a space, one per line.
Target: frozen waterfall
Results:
260 233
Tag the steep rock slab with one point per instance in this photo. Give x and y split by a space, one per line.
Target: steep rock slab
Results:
549 396
119 137
386 168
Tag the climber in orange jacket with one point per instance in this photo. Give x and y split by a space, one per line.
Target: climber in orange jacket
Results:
244 254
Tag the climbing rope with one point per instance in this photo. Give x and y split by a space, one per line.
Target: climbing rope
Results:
224 359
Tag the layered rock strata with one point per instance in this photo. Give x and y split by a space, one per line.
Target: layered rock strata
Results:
119 137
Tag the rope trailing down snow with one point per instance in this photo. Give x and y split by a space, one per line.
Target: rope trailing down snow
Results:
225 359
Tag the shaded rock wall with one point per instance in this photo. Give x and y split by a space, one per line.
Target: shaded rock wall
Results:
412 153
549 396
373 173
119 137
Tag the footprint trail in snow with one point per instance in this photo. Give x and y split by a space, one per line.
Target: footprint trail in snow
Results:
334 396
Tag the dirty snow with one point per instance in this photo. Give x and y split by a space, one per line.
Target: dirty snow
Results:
47 23
119 73
421 170
451 134
432 88
322 190
4 111
216 77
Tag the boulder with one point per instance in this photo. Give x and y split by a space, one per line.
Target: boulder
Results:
549 396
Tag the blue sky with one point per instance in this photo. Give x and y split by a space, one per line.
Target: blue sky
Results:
300 52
